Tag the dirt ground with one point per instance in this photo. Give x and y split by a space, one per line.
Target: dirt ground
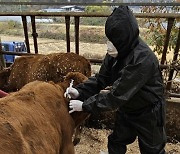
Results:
46 46
95 140
92 140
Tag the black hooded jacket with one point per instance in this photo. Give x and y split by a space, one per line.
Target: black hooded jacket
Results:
134 74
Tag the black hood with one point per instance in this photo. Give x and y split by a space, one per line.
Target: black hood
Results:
122 30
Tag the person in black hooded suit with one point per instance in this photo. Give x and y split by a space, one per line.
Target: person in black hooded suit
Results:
131 70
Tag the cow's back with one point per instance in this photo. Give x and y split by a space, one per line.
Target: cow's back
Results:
52 67
34 120
24 70
61 64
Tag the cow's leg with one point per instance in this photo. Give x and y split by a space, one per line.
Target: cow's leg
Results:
77 135
67 148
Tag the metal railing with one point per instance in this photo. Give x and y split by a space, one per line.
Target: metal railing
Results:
171 17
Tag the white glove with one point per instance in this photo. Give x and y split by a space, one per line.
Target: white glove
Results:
71 93
104 91
75 105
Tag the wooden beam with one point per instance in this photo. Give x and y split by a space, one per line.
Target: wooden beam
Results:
84 14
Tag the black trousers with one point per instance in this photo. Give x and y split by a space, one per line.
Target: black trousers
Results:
147 126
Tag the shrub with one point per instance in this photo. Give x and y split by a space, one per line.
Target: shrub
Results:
98 9
52 35
92 35
13 24
93 21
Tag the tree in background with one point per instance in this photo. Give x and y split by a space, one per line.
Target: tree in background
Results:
156 34
98 9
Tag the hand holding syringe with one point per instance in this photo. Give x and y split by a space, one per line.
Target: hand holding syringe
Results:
71 93
66 94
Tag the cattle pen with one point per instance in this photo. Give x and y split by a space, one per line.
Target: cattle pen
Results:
171 18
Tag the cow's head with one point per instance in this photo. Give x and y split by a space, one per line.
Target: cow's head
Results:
76 76
4 76
78 117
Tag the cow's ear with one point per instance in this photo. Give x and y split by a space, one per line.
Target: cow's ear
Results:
5 72
76 76
70 76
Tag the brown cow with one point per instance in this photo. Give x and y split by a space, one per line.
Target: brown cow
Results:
36 120
52 67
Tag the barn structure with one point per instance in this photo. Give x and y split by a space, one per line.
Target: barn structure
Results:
173 106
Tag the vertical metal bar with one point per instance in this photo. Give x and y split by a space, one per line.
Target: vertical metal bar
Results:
24 21
77 34
175 57
2 61
67 20
166 43
34 34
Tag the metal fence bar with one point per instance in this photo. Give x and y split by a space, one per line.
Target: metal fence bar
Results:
166 43
2 63
67 20
175 57
24 21
16 53
34 34
77 34
91 4
83 14
94 61
99 61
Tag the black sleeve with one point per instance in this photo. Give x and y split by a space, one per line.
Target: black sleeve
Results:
98 82
132 79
